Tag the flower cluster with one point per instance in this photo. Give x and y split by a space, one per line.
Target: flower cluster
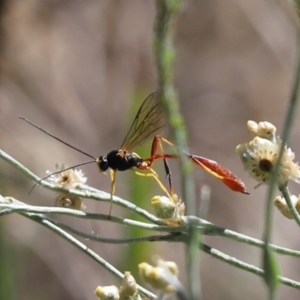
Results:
128 290
68 179
260 155
160 277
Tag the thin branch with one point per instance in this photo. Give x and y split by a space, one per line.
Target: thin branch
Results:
212 229
244 266
208 228
85 192
172 237
15 208
10 205
69 238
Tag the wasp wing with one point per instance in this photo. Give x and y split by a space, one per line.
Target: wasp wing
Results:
149 121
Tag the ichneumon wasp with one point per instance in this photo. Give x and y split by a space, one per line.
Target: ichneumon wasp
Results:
147 124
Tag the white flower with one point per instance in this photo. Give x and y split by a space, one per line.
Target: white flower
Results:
68 179
260 156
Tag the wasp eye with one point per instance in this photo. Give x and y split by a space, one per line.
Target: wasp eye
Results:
102 163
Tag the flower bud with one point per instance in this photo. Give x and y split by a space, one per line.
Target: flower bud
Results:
265 130
252 127
166 208
109 292
281 204
163 206
128 287
69 201
160 277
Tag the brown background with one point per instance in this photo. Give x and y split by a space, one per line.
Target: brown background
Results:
74 67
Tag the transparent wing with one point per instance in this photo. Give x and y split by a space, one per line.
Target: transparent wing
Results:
149 121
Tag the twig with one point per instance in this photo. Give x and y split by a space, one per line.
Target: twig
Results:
69 238
167 11
85 192
247 267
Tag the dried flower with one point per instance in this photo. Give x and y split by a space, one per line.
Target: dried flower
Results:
109 292
260 156
166 208
281 204
69 201
68 179
160 277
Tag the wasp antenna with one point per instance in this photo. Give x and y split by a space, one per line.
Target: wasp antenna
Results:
56 138
33 187
60 171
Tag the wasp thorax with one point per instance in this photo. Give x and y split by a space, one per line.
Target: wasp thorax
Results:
102 163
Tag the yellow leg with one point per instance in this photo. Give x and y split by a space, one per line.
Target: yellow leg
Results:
155 176
113 188
161 139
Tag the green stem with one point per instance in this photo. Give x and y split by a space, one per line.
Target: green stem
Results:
290 117
165 54
286 194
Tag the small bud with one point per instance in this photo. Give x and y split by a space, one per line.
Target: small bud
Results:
265 130
160 277
128 287
69 201
166 208
252 127
280 203
109 292
171 265
163 206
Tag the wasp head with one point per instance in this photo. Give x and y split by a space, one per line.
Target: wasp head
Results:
102 163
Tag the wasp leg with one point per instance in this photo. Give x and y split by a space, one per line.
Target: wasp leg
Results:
155 176
112 189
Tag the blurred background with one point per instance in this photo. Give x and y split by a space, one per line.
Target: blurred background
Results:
80 69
